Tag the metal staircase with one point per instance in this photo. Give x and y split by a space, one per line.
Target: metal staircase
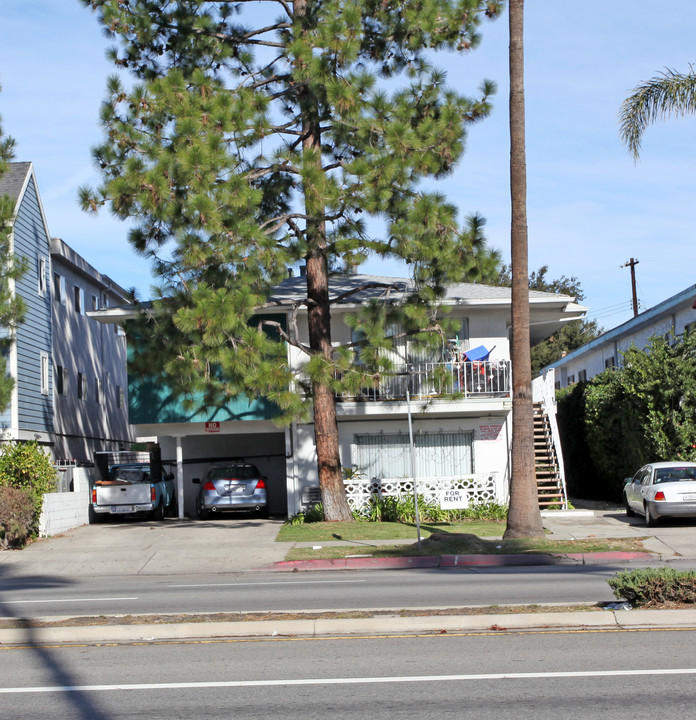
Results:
550 483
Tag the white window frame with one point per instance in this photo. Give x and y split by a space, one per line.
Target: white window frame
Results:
42 276
44 371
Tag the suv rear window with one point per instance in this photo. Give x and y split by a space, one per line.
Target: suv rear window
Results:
242 472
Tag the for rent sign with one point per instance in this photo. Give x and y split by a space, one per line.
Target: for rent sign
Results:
453 499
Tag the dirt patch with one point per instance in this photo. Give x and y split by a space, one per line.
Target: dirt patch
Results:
105 620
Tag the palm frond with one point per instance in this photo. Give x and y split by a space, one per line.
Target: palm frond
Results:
670 93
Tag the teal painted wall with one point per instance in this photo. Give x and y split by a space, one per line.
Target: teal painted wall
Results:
150 401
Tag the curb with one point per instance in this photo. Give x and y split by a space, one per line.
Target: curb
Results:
382 625
451 561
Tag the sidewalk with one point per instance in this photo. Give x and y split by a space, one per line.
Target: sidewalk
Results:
377 625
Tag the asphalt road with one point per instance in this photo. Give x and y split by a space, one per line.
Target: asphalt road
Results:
612 675
39 596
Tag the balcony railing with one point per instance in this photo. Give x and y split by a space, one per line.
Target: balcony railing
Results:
490 378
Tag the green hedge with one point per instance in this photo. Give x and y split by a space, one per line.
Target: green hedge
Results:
655 586
623 418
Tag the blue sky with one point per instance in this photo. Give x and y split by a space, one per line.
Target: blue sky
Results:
590 207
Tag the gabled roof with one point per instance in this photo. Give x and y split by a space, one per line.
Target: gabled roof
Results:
549 311
13 181
356 289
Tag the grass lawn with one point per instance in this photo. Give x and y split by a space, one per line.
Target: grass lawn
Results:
468 538
311 532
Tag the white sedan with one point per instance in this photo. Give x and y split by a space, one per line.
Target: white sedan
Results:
662 489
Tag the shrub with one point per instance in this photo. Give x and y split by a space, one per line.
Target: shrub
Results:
16 517
25 466
655 586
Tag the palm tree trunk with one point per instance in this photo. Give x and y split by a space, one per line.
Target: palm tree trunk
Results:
524 518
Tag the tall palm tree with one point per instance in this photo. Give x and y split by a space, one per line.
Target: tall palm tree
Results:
524 518
670 93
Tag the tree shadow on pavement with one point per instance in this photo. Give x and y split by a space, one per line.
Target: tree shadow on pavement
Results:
81 704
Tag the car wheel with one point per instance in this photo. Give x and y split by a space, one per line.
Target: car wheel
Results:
629 510
202 513
650 521
263 512
158 512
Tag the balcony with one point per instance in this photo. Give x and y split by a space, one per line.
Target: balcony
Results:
489 378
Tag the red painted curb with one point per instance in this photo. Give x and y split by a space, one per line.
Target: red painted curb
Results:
400 562
452 561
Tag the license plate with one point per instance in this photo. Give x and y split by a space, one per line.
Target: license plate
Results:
689 497
122 508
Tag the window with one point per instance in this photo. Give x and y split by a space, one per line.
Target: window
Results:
44 373
95 302
81 386
59 288
79 294
61 380
42 276
582 376
571 379
609 363
437 454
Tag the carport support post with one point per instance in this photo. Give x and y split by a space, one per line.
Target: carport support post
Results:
180 477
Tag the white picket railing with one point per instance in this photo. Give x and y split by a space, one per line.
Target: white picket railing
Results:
484 378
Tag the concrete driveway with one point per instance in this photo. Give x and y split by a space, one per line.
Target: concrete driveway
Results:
126 547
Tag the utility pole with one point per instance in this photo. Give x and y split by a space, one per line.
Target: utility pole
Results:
632 264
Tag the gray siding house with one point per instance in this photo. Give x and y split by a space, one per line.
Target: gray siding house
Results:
70 371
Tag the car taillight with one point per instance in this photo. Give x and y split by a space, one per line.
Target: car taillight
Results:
209 485
94 496
659 495
261 484
153 493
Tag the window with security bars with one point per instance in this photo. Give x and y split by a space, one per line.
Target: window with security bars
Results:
440 454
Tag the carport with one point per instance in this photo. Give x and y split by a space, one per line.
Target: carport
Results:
188 448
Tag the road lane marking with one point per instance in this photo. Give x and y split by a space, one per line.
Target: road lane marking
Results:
351 681
69 600
294 582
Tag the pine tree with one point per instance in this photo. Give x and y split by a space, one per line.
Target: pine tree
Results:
12 307
255 136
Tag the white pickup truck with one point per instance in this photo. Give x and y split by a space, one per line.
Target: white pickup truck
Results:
130 488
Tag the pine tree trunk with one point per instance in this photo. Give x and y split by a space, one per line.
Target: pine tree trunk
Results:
524 518
333 494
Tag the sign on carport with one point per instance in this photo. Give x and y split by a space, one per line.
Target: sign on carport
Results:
212 427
